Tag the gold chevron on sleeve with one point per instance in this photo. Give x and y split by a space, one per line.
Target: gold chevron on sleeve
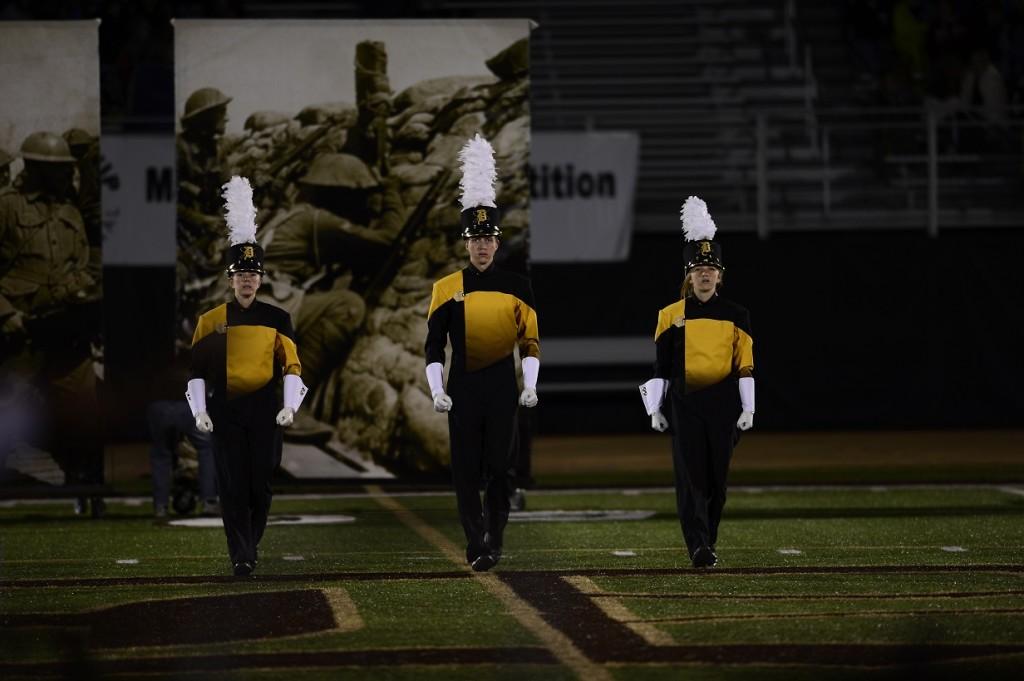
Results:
743 353
529 336
287 355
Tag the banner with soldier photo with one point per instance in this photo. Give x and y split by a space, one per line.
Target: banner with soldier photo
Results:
50 261
349 132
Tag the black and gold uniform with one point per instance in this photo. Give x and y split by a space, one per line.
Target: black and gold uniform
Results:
241 354
703 348
485 314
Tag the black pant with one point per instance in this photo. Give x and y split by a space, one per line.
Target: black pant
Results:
246 455
481 424
703 436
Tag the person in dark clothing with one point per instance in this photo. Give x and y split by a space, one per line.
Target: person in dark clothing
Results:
704 366
170 421
485 313
241 351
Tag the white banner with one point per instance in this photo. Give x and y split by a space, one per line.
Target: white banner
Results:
139 200
581 195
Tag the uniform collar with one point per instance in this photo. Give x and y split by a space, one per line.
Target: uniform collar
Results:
692 299
238 306
472 270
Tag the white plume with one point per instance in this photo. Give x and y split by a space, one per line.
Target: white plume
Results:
478 173
697 222
239 211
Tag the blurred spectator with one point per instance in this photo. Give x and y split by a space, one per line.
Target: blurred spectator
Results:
170 421
946 44
866 29
982 100
908 41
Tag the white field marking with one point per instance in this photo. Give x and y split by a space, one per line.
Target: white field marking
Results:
790 552
283 519
613 607
878 488
292 557
954 549
581 516
128 561
346 614
555 641
748 489
623 554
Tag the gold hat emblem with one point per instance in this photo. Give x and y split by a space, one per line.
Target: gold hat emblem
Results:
248 252
705 247
481 216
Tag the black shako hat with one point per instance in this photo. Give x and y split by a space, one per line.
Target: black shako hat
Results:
479 212
699 230
245 254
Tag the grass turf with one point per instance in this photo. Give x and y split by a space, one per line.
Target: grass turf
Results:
930 579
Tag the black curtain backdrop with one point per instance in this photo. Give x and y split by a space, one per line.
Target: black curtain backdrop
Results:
851 330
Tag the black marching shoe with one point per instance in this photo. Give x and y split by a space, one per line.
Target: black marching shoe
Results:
704 557
484 562
243 569
517 500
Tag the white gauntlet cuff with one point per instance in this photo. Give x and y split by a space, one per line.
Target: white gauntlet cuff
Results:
531 368
294 391
747 393
196 396
435 377
653 394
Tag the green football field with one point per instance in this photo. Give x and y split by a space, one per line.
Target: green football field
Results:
813 582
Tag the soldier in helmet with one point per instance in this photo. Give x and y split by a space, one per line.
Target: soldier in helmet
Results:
242 352
200 172
485 313
200 175
331 242
49 308
704 365
86 150
5 169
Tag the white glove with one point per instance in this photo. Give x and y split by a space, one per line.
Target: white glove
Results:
528 398
203 422
745 421
285 416
442 402
659 422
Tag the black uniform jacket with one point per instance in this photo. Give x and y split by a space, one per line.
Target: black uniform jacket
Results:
241 354
485 314
701 344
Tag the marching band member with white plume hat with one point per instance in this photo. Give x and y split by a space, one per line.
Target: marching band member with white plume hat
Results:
486 313
242 352
704 368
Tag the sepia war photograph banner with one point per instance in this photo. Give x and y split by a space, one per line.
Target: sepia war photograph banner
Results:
348 132
51 346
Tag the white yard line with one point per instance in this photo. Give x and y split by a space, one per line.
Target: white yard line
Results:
555 641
